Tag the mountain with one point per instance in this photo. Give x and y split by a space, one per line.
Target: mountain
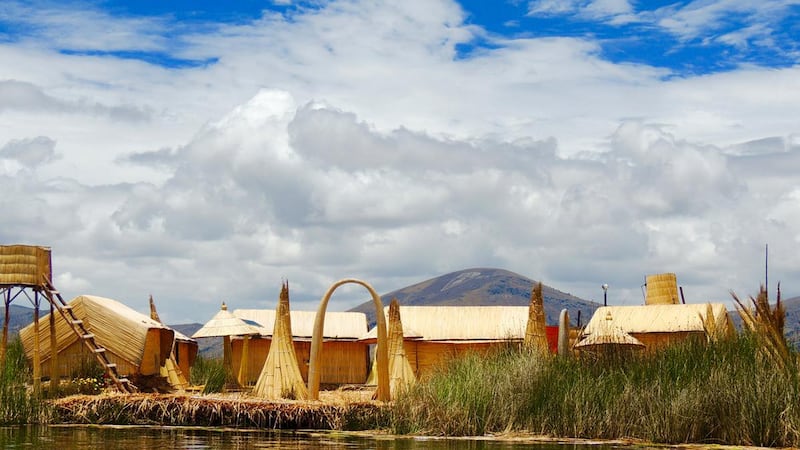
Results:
19 318
206 347
484 287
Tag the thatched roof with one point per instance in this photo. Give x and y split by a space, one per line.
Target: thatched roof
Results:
660 318
338 325
118 328
226 324
606 333
401 375
461 323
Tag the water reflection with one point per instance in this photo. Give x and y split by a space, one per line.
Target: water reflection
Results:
118 438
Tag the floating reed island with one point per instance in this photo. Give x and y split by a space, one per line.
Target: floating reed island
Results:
219 411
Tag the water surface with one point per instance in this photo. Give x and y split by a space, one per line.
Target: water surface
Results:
173 438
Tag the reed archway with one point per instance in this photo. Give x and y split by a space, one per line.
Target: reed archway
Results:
381 352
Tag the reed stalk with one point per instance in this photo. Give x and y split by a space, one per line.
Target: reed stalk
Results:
727 392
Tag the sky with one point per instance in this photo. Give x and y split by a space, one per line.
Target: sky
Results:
205 151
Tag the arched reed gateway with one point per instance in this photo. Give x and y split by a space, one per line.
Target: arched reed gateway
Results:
381 352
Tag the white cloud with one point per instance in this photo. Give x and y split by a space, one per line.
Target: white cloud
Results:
350 141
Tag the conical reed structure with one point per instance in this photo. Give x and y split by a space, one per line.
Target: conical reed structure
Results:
401 375
535 331
280 377
170 370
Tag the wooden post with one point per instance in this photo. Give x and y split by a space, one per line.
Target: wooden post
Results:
37 353
55 376
6 319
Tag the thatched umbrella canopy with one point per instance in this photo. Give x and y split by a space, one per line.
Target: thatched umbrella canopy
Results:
170 370
280 377
535 331
609 336
401 375
225 324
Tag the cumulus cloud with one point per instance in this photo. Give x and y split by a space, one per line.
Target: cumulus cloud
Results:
311 153
30 152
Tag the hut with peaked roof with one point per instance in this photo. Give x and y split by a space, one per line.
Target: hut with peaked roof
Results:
345 358
137 344
658 325
434 334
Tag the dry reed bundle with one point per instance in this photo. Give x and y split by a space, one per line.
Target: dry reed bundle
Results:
767 324
170 369
183 410
662 289
281 377
401 375
535 331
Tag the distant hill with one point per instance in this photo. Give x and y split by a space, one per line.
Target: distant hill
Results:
207 347
19 318
484 287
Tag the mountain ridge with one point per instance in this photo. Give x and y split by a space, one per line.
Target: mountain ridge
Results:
483 286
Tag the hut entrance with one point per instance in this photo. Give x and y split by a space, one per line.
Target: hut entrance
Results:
25 268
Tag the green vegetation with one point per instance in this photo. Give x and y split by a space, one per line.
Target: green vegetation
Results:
209 373
17 404
728 392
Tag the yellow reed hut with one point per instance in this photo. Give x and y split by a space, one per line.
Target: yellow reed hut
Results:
345 358
137 344
658 325
434 334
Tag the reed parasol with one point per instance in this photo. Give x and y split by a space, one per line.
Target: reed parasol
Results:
224 324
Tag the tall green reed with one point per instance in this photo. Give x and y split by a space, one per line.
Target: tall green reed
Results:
719 392
19 405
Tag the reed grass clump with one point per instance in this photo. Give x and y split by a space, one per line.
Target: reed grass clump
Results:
18 404
726 392
209 373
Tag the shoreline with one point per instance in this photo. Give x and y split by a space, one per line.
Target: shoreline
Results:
360 418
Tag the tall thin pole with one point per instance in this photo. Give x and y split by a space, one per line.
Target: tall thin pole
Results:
766 269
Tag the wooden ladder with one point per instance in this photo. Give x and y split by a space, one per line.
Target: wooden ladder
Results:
122 383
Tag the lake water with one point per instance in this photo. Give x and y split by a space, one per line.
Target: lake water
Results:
120 438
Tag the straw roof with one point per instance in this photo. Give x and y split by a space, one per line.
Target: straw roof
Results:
280 376
225 324
535 330
118 328
461 323
661 318
606 333
338 325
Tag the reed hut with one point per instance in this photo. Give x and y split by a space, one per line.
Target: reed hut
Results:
434 334
137 344
659 325
345 358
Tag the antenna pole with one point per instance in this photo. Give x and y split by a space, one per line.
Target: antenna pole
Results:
766 269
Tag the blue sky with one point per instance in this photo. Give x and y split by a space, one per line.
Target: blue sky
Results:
207 150
686 37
